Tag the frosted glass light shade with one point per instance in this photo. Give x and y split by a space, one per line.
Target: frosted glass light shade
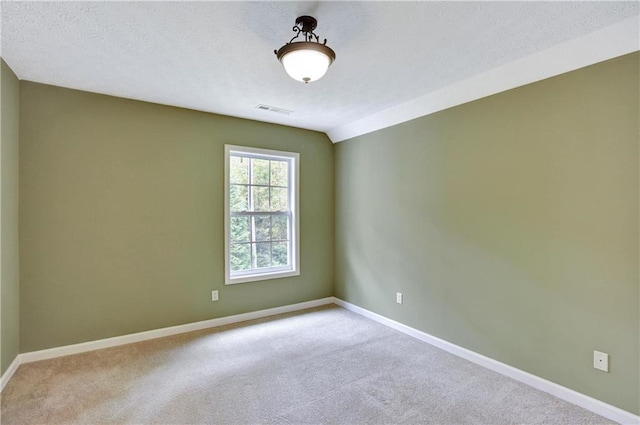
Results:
306 65
306 61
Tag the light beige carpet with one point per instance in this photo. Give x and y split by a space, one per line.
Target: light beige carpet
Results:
325 365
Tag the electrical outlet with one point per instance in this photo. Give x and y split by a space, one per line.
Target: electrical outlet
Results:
214 295
601 361
399 297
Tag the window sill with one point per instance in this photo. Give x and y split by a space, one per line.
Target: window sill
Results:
260 276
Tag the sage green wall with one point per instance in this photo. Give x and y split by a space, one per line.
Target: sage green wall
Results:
121 216
9 265
510 224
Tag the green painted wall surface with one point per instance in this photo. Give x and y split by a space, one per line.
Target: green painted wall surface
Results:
510 224
121 216
9 265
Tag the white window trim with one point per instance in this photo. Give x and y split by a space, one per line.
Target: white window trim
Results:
294 203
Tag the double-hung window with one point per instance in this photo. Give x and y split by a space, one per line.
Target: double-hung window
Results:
261 214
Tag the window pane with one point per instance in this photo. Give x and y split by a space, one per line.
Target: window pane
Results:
240 229
262 228
238 198
240 257
263 254
260 198
260 171
280 255
279 199
260 242
279 173
239 170
279 228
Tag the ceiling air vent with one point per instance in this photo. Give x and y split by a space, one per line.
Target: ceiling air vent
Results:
274 109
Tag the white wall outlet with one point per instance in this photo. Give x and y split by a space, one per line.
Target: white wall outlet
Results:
399 297
601 361
214 295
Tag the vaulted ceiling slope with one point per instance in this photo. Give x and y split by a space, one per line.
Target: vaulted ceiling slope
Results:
395 60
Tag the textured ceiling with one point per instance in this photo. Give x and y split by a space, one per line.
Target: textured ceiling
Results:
218 56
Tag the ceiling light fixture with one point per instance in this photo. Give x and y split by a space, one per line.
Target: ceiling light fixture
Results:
306 60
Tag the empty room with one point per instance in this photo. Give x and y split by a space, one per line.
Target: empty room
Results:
328 212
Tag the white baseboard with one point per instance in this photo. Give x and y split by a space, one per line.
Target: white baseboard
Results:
563 393
83 347
6 376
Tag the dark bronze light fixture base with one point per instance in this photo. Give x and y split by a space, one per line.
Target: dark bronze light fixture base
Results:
309 23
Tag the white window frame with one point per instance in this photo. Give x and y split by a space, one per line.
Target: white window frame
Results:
254 275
